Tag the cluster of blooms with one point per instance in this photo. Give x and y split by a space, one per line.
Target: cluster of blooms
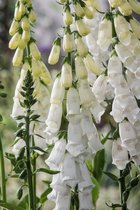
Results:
20 30
122 35
75 138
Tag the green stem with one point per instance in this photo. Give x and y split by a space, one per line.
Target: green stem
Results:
28 164
122 189
2 173
34 175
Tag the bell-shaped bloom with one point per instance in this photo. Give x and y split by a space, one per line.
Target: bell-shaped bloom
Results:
125 9
73 102
69 171
68 42
91 65
63 202
114 65
58 92
53 121
97 111
57 155
122 51
82 28
117 111
86 95
81 72
132 63
35 51
122 30
119 155
99 88
66 75
105 34
85 200
82 49
133 83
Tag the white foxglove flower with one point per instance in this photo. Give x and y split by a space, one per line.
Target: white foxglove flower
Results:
99 88
66 75
53 121
73 102
122 29
58 92
97 111
105 34
63 202
81 72
86 95
86 182
132 63
69 171
134 83
122 51
85 200
18 146
135 25
91 65
119 155
57 154
82 49
123 88
117 111
114 65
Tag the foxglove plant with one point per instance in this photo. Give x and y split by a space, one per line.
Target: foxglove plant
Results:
120 75
71 129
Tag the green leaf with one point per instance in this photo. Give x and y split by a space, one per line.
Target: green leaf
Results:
1 118
34 117
112 176
44 195
23 174
95 191
35 148
20 117
46 170
7 205
99 162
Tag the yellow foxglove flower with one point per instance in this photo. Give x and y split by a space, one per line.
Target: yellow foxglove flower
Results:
82 28
89 12
35 51
32 16
81 72
82 49
79 10
68 42
122 29
17 59
135 25
13 28
22 8
67 17
91 65
125 9
25 24
105 34
13 44
115 3
26 35
17 14
55 52
45 74
66 75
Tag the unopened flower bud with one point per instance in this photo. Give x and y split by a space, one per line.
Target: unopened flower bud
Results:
115 3
26 35
68 42
58 92
82 29
79 10
135 25
22 8
17 14
13 28
82 49
13 44
32 16
17 59
45 74
66 75
81 72
25 23
91 65
67 17
35 51
89 12
55 52
125 9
